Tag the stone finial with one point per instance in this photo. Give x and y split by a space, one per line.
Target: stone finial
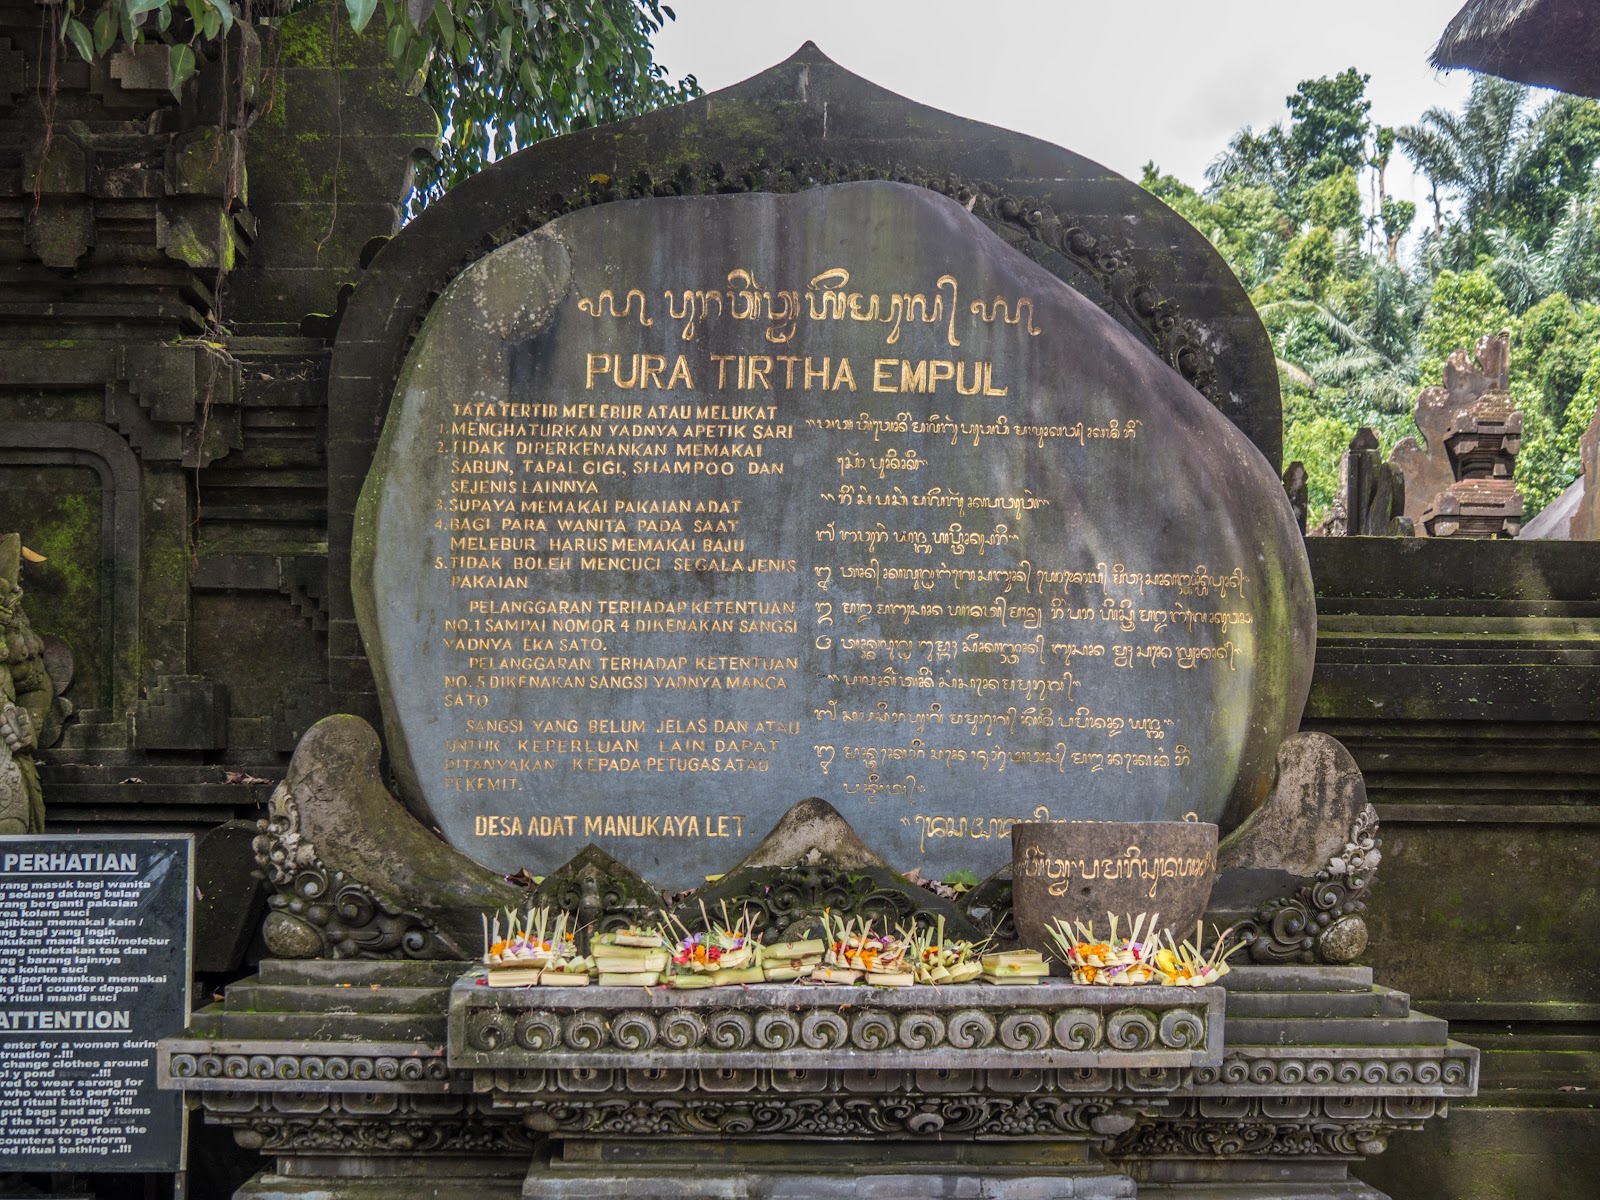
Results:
1482 447
1466 379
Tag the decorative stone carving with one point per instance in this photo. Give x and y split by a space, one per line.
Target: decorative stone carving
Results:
603 893
294 1066
369 1124
968 1116
1340 1073
1483 501
1321 921
1316 800
354 874
27 700
1371 499
1467 377
951 1028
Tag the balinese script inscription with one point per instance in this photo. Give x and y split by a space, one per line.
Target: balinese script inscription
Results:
849 503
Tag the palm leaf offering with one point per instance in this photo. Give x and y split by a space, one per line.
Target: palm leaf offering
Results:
1148 955
719 955
937 961
531 948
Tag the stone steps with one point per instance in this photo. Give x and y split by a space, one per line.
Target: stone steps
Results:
1413 1030
1296 978
220 1022
1378 1002
254 996
359 973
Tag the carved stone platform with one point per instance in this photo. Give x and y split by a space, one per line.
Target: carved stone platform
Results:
363 1081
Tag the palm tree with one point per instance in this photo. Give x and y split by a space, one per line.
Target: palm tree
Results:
1566 264
1478 154
1250 160
1377 365
1434 156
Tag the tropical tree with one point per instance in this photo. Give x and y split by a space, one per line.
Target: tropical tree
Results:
1506 167
1358 326
1569 263
1327 125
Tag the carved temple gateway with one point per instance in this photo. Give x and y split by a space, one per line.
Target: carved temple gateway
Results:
770 501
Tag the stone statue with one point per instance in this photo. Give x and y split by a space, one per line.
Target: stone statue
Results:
27 697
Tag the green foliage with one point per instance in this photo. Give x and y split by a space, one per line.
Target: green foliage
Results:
501 84
1549 459
1317 440
1335 202
1552 350
1513 243
1507 168
1308 265
1462 308
1328 124
501 75
1559 163
1397 217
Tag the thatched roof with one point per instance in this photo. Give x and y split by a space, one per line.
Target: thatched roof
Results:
1548 43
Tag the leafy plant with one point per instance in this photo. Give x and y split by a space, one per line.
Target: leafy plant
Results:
501 74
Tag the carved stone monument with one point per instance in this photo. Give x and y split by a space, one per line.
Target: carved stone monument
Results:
29 712
1371 499
1483 501
688 509
773 529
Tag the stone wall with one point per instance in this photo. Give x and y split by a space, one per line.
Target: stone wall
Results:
1465 679
163 409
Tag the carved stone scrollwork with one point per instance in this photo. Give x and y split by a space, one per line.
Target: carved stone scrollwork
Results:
1325 1128
1321 922
398 1124
969 1116
356 875
316 1069
602 892
831 1028
318 912
1347 1075
788 902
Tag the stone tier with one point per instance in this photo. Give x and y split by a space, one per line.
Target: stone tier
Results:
356 1077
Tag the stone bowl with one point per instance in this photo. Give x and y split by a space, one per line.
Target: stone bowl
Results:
1083 870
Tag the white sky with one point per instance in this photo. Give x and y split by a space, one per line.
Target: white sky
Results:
1120 83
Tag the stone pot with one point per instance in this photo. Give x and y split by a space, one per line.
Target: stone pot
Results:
1083 870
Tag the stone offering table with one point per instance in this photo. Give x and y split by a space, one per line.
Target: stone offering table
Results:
404 1081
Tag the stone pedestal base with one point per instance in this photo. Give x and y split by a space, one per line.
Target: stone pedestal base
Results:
371 1177
364 1083
597 1170
1235 1180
